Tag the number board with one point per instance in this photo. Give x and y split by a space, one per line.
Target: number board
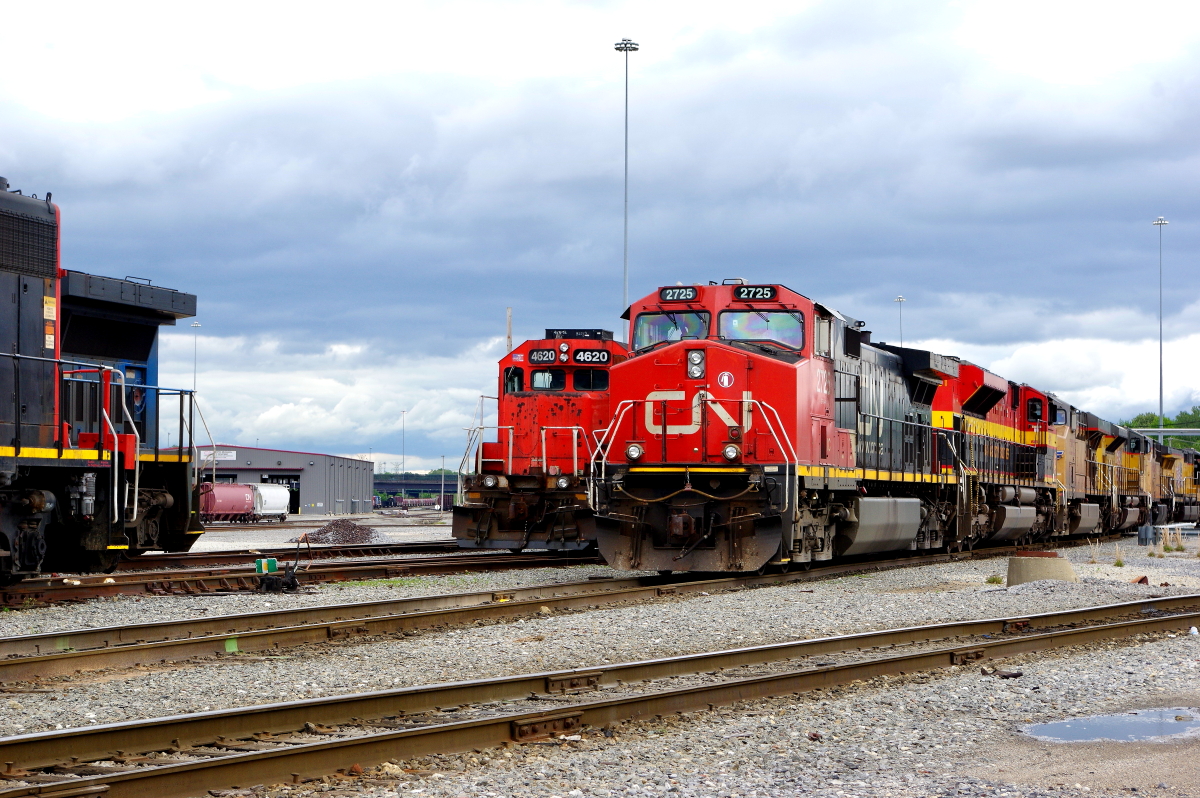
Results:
597 357
542 356
749 292
682 293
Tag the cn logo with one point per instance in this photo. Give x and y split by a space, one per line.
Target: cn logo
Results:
702 399
725 379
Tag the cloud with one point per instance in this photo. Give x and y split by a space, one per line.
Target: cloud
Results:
317 185
345 398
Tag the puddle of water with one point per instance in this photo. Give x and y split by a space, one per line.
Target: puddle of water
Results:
1142 724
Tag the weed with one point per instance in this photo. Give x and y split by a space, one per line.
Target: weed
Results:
1094 549
994 579
399 582
1119 563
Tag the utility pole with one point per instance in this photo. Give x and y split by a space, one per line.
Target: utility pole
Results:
900 304
442 490
403 462
626 46
1160 223
508 347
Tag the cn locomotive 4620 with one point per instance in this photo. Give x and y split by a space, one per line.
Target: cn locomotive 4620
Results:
754 426
82 477
528 487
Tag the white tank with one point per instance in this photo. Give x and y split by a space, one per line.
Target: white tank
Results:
271 501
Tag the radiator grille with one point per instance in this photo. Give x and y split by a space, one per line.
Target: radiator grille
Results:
27 244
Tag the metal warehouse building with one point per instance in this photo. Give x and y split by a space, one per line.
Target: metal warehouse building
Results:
321 484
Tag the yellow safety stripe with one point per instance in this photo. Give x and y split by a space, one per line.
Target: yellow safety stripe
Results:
42 453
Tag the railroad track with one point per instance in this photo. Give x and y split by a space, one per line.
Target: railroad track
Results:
201 559
186 754
60 653
199 581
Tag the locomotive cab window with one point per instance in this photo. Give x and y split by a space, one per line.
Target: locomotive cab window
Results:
514 379
1035 409
548 380
590 380
658 328
785 327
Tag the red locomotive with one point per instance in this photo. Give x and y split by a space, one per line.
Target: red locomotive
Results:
529 487
754 426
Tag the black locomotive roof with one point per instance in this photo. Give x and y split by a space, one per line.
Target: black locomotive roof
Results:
94 291
591 335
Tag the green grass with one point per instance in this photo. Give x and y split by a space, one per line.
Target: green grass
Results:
403 581
1119 564
995 580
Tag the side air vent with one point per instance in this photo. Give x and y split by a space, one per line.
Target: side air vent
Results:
27 244
983 400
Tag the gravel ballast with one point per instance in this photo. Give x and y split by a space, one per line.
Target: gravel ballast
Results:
745 751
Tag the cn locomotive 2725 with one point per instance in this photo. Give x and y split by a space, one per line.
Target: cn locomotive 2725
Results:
753 426
82 479
528 488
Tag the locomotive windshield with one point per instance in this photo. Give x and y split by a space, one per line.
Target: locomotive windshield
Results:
658 328
784 327
548 380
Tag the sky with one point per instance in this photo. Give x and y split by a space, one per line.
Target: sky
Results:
357 192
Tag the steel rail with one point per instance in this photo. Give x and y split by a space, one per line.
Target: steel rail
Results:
47 749
200 559
201 581
65 652
58 653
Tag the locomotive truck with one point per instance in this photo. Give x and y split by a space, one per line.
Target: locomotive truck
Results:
753 426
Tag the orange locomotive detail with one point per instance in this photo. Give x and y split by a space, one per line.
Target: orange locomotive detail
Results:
529 486
752 426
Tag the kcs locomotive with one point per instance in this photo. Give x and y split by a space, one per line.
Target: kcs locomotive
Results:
753 426
82 479
529 487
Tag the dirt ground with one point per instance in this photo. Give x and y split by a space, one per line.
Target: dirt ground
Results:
1108 766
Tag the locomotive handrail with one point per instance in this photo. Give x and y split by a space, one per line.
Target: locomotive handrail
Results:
600 458
112 471
475 442
574 447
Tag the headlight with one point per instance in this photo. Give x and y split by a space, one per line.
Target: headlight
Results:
696 356
562 483
562 348
731 452
695 372
490 482
563 357
695 361
634 452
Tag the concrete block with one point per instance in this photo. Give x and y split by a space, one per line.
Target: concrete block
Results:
1031 569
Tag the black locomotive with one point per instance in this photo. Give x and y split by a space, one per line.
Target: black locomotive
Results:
82 477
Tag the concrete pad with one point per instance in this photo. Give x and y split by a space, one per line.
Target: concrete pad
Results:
1031 569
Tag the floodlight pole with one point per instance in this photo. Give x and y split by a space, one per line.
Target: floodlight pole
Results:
626 46
1160 223
901 300
195 351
